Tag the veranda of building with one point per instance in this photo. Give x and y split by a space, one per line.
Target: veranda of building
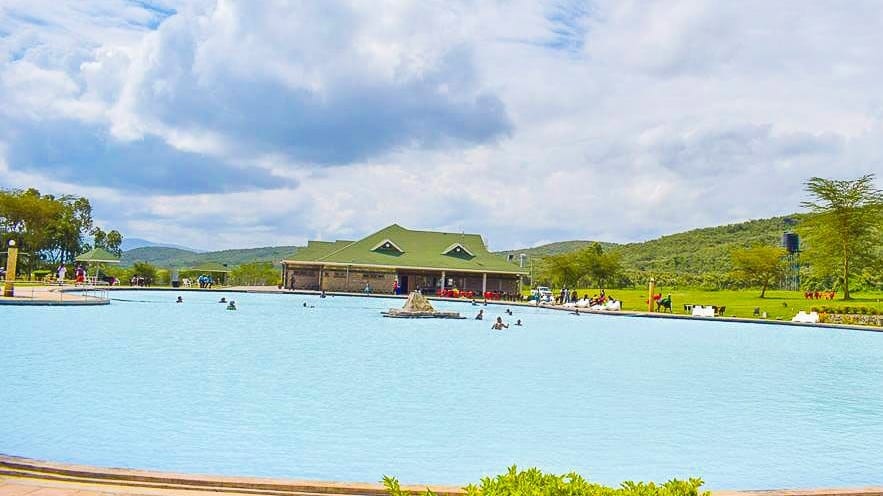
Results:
424 260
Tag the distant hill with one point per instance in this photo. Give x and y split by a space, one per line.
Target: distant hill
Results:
696 251
704 250
132 243
178 258
555 248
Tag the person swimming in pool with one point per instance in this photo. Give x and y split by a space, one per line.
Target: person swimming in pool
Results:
499 325
518 323
480 315
222 300
179 300
231 305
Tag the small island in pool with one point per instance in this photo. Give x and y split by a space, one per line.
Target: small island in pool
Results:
418 307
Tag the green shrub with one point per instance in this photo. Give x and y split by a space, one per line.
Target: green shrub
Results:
534 482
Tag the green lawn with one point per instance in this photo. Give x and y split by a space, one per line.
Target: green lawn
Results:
777 304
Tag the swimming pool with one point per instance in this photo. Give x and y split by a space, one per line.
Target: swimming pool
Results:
337 392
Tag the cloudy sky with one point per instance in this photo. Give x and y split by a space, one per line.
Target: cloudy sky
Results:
234 123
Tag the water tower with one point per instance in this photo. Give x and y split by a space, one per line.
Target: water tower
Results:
791 244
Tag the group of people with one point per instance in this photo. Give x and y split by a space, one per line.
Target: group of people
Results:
231 305
140 281
499 325
818 295
79 274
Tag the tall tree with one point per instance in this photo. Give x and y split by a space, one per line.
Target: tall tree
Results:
255 274
596 265
114 242
759 266
560 270
843 234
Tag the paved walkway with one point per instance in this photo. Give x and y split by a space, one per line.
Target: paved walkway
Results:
27 477
37 486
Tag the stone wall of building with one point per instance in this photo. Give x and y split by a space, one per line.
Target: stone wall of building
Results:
336 279
302 278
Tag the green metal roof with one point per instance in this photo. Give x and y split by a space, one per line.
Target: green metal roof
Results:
97 255
317 249
418 249
208 267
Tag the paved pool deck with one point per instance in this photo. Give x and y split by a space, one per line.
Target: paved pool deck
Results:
57 296
26 477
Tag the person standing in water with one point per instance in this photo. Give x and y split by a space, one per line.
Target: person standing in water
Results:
499 325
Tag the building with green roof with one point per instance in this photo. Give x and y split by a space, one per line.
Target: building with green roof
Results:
425 260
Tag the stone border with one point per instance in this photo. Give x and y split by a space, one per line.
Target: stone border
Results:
26 468
53 296
13 466
52 303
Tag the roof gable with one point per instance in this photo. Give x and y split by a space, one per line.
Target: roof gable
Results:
388 246
458 250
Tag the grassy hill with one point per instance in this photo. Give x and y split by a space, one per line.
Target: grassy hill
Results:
556 248
178 258
696 251
703 250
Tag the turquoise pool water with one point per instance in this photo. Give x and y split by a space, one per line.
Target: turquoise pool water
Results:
338 392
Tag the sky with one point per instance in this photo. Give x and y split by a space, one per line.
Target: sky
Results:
232 123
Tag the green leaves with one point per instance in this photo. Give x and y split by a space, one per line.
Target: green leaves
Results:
843 236
255 274
759 266
588 264
394 489
533 482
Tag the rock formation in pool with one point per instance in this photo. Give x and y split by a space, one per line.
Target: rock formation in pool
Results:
418 307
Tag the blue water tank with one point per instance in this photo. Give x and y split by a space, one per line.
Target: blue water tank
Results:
791 242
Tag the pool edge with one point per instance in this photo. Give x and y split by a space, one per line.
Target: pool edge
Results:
56 473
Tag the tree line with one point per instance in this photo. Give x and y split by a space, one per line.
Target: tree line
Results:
842 235
50 230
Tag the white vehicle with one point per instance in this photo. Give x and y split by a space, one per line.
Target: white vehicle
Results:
545 294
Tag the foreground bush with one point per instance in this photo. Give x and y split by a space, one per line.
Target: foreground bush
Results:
533 482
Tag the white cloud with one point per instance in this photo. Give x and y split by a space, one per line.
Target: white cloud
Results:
524 121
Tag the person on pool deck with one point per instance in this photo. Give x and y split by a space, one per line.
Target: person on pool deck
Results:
179 300
222 300
480 315
231 305
499 325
